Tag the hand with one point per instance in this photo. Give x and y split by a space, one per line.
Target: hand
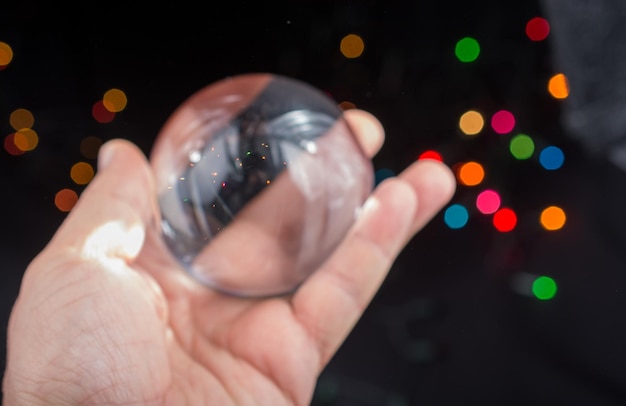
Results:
105 317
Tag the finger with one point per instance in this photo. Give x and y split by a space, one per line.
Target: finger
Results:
436 184
368 130
110 218
333 299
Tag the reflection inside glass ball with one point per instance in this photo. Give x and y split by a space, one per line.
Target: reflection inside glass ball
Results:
259 179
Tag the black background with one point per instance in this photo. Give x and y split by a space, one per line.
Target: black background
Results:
448 327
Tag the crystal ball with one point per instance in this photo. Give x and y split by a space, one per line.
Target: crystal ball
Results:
259 178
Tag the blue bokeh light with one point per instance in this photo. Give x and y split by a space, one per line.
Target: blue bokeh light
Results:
382 174
551 158
456 216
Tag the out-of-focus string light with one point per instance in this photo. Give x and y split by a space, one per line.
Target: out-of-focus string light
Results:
544 288
431 154
551 158
82 173
471 122
537 29
552 218
352 46
101 114
21 118
26 139
10 147
558 86
382 174
114 100
346 105
504 220
488 201
503 122
90 146
467 49
65 199
522 146
456 216
6 55
470 173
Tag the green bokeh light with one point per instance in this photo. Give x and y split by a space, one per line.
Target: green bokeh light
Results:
522 146
544 288
467 49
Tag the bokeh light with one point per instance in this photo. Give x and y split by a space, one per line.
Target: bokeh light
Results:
467 49
504 220
558 86
537 29
6 54
82 173
503 122
552 218
26 139
347 105
488 201
10 147
551 158
352 46
456 216
544 288
114 100
470 173
65 199
101 114
431 154
21 118
382 174
90 146
471 122
522 146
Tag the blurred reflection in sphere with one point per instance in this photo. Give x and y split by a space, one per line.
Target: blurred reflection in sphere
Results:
259 179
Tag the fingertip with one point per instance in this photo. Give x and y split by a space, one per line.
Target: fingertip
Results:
444 179
368 130
110 149
434 184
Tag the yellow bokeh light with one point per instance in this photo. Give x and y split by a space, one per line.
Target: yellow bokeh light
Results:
114 100
558 86
21 118
6 54
471 122
26 139
352 46
82 173
471 173
552 218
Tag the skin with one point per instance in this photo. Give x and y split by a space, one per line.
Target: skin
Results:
103 317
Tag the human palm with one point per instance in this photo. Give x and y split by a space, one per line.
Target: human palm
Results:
105 316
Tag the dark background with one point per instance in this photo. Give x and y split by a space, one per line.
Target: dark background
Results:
450 325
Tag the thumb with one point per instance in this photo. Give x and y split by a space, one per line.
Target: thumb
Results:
112 214
85 324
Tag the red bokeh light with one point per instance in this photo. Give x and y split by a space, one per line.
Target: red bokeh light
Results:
504 220
101 113
537 29
9 145
434 155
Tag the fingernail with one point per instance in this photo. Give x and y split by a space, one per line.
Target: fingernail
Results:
105 155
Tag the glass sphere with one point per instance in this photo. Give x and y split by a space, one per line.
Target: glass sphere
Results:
259 178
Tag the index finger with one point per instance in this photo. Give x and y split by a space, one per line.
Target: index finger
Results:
331 301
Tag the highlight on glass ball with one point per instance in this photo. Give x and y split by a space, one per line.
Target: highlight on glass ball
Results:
259 178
